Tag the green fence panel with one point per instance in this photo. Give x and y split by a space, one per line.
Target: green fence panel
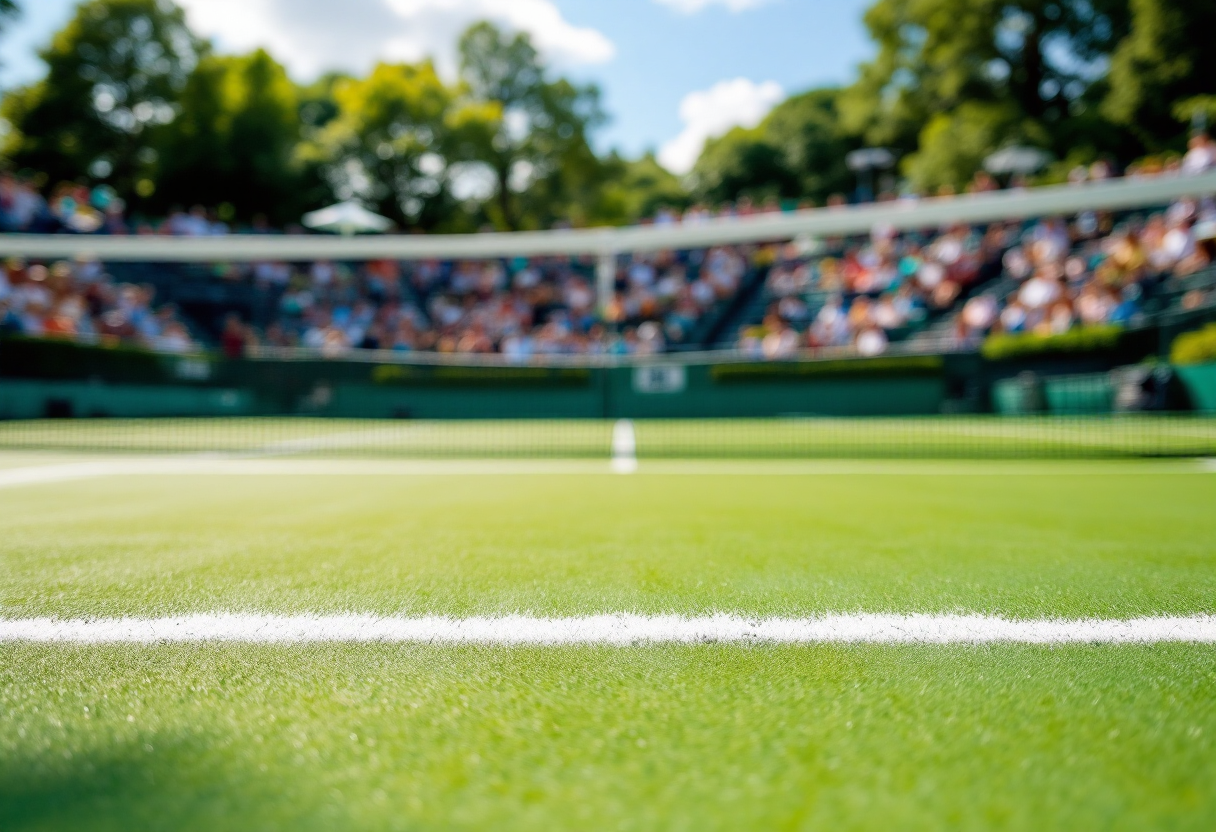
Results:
41 399
689 391
1200 381
1080 395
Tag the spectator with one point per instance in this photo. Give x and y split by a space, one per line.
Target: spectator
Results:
1200 155
235 338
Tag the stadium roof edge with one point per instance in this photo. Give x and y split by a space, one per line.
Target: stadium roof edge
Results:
902 214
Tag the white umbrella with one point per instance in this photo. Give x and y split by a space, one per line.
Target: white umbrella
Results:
1016 159
347 218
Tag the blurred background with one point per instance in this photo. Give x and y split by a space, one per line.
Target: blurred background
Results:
552 112
1013 199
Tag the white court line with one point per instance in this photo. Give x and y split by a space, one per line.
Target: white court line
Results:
219 466
212 466
619 629
42 474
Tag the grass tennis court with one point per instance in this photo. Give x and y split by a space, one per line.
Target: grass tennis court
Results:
695 736
963 437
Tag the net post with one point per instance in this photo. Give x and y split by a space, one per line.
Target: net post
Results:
605 279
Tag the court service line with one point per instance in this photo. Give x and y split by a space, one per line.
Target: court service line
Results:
615 629
198 465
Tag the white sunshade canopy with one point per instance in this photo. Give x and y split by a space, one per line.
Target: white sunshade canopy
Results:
347 218
1017 159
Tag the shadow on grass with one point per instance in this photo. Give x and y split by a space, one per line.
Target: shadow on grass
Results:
157 783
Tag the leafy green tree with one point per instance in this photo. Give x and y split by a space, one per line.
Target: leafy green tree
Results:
234 143
807 131
1036 60
953 145
741 163
639 188
114 76
797 152
533 133
388 141
8 11
1163 71
319 102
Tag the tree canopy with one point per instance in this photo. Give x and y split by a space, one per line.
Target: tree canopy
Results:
132 98
797 152
114 77
234 142
533 133
8 10
388 141
1164 70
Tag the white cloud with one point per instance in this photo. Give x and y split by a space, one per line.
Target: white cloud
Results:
712 112
694 6
312 36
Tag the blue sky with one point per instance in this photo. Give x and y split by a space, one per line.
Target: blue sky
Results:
672 71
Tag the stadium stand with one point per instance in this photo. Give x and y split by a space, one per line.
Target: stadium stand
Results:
519 308
949 289
937 277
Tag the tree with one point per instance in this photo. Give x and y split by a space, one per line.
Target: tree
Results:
639 188
235 140
318 100
387 142
953 145
1037 60
8 11
741 163
114 76
533 133
807 131
1163 70
797 152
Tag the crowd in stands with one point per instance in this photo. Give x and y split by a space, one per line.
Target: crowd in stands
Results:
1055 275
1045 276
1095 271
866 290
519 308
857 293
78 301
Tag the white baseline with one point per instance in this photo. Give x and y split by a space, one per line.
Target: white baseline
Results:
617 629
200 465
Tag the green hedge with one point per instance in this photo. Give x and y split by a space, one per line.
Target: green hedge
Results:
1198 347
911 365
1029 344
444 376
37 358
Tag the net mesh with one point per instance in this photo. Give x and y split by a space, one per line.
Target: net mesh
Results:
946 437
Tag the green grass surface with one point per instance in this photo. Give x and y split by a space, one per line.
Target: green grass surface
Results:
706 737
946 437
1102 544
657 738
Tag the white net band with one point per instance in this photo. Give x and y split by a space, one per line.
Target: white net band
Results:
1115 194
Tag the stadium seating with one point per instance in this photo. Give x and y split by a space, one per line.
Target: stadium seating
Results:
949 290
929 290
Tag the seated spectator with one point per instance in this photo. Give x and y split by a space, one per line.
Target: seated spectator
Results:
1200 155
234 339
780 340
